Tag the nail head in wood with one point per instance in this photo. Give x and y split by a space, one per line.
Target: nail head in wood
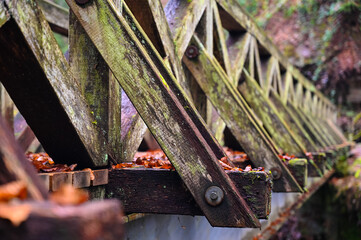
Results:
214 195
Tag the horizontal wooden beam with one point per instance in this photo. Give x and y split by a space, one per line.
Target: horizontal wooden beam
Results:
162 191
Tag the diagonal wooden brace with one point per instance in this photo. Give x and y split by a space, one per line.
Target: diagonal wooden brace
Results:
231 107
162 111
39 81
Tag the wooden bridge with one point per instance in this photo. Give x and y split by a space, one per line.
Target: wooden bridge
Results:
185 72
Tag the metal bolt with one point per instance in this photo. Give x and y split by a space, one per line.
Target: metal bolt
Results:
81 2
276 173
214 195
192 51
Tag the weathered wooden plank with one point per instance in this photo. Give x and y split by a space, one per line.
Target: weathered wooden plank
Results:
44 89
174 86
316 165
220 46
14 166
231 107
153 96
238 49
183 17
25 138
57 16
50 221
269 115
232 9
100 177
4 14
162 191
298 168
306 125
318 130
7 108
81 179
57 179
97 86
167 40
133 129
337 130
293 122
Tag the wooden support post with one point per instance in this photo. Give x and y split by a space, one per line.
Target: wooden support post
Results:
161 191
50 221
158 99
44 89
14 166
231 107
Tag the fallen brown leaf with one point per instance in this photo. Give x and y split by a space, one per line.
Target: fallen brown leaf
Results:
16 189
68 195
15 213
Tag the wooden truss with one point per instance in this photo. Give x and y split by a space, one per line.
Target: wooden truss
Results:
129 70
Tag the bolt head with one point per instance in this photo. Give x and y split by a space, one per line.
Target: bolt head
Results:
276 173
192 52
214 195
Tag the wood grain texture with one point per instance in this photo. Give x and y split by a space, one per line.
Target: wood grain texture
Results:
45 92
57 16
278 129
231 107
162 111
173 85
162 191
293 122
183 17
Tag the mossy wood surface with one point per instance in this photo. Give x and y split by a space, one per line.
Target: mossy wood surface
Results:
298 167
242 21
280 132
46 92
231 107
149 86
294 123
162 191
173 85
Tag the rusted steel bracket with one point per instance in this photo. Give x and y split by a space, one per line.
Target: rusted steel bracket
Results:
164 108
39 81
